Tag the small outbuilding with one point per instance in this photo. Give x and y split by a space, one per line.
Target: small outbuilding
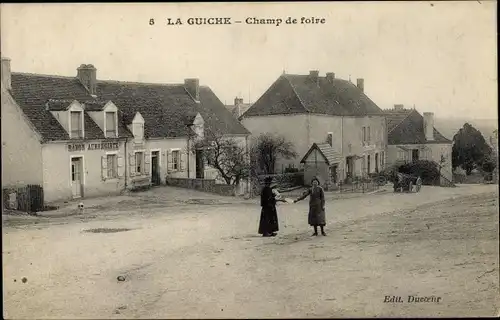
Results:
323 162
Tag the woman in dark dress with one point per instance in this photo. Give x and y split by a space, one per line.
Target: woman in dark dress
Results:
268 225
316 206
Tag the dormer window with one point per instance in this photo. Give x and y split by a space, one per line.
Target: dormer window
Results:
137 128
138 131
111 124
76 124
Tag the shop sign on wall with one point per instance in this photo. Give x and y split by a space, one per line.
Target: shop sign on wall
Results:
93 146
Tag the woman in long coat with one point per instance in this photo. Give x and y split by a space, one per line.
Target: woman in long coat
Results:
316 206
268 225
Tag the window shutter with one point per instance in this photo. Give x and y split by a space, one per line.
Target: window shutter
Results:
104 167
121 167
147 163
169 161
131 161
183 161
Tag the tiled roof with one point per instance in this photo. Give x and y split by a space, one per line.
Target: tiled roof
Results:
326 150
395 117
32 92
234 110
94 105
58 104
215 114
300 94
407 127
163 107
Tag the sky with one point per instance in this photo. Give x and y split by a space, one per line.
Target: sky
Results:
437 56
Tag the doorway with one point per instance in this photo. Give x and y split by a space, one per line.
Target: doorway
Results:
350 168
200 165
77 177
333 173
155 168
414 155
369 165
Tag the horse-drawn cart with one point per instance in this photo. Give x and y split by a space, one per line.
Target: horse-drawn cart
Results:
407 183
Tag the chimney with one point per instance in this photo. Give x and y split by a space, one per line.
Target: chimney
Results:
193 87
314 75
330 76
238 101
87 74
237 104
361 84
429 126
6 80
399 107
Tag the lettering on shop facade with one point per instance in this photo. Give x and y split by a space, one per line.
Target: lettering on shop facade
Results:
93 146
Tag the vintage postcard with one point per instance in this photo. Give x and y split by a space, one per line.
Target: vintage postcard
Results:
250 160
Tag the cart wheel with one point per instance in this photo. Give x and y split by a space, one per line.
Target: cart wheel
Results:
410 186
381 181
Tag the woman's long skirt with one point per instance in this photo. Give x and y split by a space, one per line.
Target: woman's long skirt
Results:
316 216
268 220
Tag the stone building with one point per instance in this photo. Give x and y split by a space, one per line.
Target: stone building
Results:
307 109
412 136
78 136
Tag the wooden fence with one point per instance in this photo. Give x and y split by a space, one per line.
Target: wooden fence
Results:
26 198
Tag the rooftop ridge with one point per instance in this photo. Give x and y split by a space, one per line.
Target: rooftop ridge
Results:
403 120
44 75
143 83
319 77
296 94
103 80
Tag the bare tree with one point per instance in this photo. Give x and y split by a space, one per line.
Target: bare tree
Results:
224 154
267 148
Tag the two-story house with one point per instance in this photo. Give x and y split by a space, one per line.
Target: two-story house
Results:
412 137
81 137
308 109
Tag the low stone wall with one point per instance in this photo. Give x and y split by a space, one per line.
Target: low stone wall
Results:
205 185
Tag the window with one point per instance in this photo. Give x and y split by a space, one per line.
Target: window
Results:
111 125
366 135
382 159
175 160
76 124
369 164
138 131
112 166
139 162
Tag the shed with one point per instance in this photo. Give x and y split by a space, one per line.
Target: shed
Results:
322 161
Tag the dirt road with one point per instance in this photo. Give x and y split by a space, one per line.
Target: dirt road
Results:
199 261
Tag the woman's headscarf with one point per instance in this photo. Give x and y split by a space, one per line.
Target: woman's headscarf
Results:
268 180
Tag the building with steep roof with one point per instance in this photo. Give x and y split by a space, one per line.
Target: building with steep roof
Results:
80 136
308 109
411 136
322 162
238 108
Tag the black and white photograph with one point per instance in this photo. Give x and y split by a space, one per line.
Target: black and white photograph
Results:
249 160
